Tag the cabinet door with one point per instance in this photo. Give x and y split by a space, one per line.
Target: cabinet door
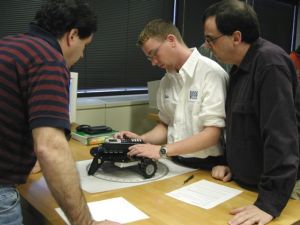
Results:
133 118
91 117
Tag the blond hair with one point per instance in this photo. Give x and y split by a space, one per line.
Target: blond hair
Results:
158 29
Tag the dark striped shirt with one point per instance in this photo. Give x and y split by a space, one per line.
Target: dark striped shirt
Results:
34 92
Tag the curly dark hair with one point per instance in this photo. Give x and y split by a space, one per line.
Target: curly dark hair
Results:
234 15
60 16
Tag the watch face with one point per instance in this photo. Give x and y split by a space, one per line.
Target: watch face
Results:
163 151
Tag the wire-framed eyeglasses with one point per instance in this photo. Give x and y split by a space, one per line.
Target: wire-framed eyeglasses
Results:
211 40
153 53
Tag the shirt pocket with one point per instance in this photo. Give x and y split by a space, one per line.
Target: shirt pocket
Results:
244 123
170 106
192 116
193 107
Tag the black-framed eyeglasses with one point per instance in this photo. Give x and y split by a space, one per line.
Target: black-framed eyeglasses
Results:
153 52
210 40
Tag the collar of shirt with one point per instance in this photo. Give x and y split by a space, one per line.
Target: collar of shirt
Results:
248 59
189 66
35 30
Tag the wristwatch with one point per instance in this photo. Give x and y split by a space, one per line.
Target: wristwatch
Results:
163 151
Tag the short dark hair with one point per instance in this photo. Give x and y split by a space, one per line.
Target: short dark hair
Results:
234 15
60 16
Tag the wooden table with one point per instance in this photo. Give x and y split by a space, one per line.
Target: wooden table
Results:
150 198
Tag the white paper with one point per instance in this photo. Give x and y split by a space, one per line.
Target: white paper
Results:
204 194
93 184
115 209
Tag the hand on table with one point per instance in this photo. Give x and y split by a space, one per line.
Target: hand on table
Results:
222 173
249 215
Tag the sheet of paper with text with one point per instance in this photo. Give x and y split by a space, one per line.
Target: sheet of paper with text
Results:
204 194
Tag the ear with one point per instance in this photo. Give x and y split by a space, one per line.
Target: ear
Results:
71 37
171 39
237 37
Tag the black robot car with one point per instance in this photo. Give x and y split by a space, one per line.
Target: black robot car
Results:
115 150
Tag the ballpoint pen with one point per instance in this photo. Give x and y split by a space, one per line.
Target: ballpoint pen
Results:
188 179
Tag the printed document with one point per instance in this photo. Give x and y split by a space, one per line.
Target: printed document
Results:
204 194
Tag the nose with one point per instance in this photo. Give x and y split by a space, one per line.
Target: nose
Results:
154 62
207 45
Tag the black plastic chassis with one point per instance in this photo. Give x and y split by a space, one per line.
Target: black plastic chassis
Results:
101 154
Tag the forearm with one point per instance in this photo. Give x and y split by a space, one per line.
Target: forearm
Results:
208 137
59 170
157 136
281 141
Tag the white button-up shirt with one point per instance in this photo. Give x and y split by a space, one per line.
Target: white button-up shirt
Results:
192 99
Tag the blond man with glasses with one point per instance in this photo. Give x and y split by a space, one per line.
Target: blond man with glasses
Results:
190 99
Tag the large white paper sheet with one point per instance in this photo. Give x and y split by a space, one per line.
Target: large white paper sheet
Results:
115 209
204 194
93 184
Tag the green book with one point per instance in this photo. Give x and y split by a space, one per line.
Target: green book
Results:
91 139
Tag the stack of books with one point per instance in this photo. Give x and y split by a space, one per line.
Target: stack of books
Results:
92 139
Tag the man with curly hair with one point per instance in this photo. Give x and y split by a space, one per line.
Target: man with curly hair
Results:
34 116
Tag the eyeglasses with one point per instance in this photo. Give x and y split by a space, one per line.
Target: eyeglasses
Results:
211 40
153 53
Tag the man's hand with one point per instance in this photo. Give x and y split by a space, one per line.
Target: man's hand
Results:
222 173
36 168
59 170
145 150
127 134
249 215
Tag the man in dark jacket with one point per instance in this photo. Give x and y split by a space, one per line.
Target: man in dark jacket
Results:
262 111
